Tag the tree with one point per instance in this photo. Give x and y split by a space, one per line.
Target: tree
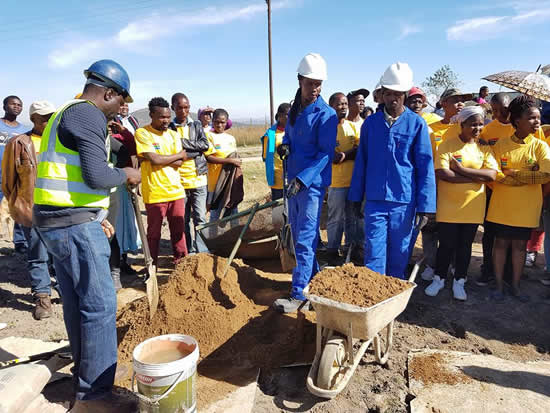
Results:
443 79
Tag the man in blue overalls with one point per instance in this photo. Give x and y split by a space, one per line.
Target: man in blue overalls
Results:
308 144
394 174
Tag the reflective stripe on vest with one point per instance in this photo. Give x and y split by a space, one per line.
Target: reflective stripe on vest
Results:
59 174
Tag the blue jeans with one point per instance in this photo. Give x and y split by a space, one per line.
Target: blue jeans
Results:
195 207
81 259
305 216
19 237
37 262
341 219
388 230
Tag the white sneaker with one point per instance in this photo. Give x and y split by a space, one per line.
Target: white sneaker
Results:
437 285
458 290
427 274
530 259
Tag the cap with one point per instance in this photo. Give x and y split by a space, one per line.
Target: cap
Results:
453 91
41 107
417 91
206 109
363 92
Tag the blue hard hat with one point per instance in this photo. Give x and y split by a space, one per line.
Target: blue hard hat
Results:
109 73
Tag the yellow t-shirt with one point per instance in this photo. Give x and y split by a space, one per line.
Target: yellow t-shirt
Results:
277 163
439 130
188 169
496 130
462 203
36 140
430 117
223 145
518 206
159 183
347 137
358 124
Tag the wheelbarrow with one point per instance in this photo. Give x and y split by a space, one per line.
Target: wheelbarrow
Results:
344 334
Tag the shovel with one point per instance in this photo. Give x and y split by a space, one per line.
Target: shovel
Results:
286 243
64 352
151 283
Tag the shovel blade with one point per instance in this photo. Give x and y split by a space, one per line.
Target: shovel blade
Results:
152 289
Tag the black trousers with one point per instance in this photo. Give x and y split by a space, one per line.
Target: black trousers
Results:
454 239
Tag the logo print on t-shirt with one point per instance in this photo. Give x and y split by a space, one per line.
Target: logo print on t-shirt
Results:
156 145
503 162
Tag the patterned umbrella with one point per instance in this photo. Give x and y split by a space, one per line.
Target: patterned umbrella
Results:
532 84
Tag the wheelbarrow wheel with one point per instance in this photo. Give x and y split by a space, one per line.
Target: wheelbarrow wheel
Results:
332 364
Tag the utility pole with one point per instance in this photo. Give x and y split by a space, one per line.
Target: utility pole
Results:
271 111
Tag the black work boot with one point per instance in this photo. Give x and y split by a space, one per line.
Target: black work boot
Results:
42 306
115 275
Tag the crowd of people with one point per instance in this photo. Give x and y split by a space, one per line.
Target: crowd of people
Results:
387 174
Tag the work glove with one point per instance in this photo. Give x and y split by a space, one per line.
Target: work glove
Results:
421 220
358 210
294 187
283 151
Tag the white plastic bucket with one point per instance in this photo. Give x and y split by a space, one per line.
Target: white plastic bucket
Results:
166 387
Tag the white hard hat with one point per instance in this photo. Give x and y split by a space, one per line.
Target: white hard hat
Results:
398 76
313 66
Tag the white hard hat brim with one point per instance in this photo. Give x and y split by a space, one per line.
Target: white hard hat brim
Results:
398 88
314 76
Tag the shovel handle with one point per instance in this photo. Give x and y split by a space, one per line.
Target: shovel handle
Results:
132 190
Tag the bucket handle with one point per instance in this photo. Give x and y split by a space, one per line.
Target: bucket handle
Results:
154 400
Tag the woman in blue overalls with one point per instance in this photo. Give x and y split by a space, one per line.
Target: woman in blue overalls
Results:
308 146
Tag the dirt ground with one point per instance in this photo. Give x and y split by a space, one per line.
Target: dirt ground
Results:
510 330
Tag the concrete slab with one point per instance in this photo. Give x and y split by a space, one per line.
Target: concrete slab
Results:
240 400
14 347
446 382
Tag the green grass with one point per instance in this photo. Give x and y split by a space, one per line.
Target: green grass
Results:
255 184
248 135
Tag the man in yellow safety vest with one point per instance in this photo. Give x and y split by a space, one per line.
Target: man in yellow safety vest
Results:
71 197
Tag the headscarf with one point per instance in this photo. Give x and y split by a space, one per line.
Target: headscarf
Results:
468 112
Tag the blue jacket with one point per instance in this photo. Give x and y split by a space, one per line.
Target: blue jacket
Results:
312 141
395 164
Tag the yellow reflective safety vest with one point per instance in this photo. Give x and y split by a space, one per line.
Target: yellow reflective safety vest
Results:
59 179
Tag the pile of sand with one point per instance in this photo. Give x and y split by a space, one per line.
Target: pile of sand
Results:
432 369
356 285
233 326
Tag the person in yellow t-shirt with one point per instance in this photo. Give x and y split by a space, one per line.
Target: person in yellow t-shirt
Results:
223 145
452 102
341 216
356 106
193 171
462 167
161 153
271 140
516 202
416 101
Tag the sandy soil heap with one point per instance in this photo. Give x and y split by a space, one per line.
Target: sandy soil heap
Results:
356 285
221 313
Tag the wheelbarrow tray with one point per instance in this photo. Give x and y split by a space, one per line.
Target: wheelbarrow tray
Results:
366 322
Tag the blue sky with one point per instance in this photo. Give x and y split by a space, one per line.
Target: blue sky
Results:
216 51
